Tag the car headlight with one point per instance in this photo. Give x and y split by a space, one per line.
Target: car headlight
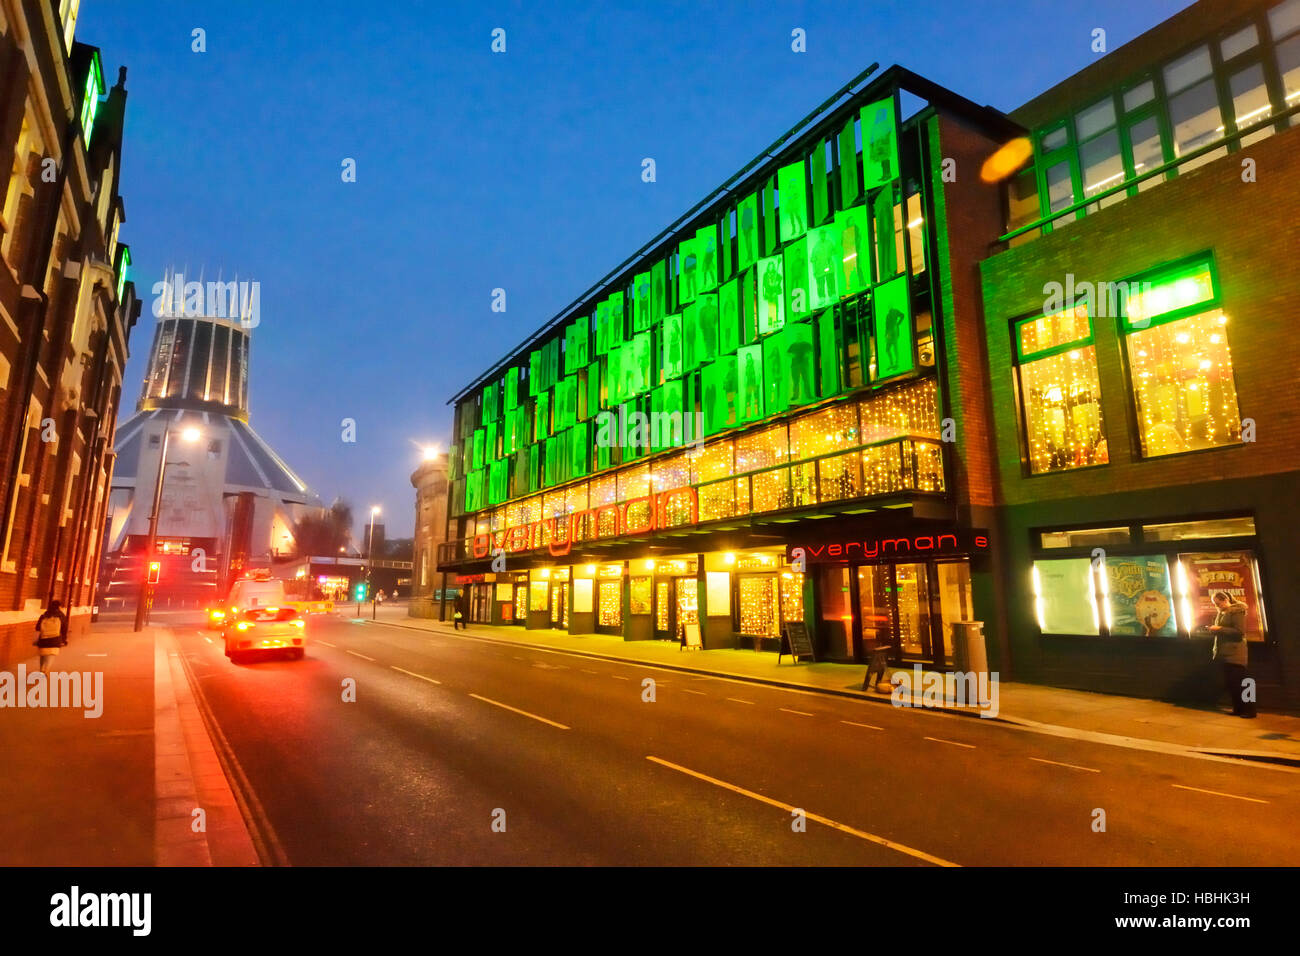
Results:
243 626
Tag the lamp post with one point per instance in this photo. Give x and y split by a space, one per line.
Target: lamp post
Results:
370 561
145 600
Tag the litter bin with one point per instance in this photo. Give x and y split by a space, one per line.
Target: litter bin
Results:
969 653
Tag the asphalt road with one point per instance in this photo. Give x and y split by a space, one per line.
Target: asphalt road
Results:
448 734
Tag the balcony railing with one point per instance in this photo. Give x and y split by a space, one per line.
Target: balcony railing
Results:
876 470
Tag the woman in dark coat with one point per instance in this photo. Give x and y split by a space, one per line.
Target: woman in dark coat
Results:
51 633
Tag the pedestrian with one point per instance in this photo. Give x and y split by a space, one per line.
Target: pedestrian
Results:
1229 630
51 633
461 612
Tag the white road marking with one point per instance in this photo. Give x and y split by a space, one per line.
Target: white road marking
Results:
97 655
585 671
854 723
326 643
414 674
619 677
362 656
497 703
698 693
739 701
1217 793
826 821
801 713
1072 766
208 639
940 740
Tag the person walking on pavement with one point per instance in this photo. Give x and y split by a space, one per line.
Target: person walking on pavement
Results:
51 633
459 618
1229 630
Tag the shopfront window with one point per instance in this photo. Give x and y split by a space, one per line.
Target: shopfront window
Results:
792 595
639 595
610 603
759 605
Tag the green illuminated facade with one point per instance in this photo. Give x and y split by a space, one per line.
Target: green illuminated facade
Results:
870 386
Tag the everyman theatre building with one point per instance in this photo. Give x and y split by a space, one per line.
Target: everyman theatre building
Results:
844 390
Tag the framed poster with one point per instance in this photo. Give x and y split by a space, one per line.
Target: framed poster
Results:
795 267
771 299
879 143
718 591
750 374
706 248
729 318
747 234
1204 575
672 339
505 592
1063 596
825 260
1141 600
792 187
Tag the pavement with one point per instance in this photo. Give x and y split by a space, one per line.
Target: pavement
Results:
1104 718
138 785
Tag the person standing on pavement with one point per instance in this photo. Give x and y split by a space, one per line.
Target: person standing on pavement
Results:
1229 630
51 633
461 615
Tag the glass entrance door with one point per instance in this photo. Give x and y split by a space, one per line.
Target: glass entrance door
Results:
664 630
912 594
875 609
560 604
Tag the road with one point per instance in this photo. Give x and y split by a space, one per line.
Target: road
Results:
449 735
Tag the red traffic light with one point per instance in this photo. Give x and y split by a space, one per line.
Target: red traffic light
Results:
155 567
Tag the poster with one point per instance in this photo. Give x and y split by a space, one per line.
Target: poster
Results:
582 594
771 297
505 592
1064 597
1141 601
747 233
688 272
795 264
1205 574
720 395
639 597
729 318
824 265
672 361
718 591
879 144
539 592
797 340
706 248
893 328
706 327
750 373
792 189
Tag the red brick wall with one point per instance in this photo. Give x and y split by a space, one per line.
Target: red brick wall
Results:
1253 230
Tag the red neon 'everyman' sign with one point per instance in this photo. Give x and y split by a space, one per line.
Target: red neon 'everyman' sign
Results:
638 516
959 541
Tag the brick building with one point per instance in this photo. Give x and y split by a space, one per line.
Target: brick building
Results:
427 583
67 305
1055 397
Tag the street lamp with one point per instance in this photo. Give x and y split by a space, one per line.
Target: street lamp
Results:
430 452
189 434
370 560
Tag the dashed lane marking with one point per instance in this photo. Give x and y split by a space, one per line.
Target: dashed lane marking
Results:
1217 793
362 656
740 701
940 740
326 643
414 674
801 713
854 723
497 703
1072 766
825 821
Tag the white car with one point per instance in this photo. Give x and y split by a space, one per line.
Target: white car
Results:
266 628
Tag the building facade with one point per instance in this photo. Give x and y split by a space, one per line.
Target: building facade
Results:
227 498
427 582
885 381
68 305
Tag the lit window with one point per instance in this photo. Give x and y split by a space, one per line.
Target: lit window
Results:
1180 364
90 98
1060 393
1284 19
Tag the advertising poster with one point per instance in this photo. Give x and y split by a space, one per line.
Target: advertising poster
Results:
641 302
893 327
718 591
706 327
824 261
800 373
688 272
853 250
706 248
1232 572
729 318
1141 600
505 592
720 399
795 258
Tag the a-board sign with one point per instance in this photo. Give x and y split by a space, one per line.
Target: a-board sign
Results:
691 636
796 642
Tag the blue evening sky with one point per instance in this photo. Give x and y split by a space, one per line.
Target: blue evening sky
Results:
478 170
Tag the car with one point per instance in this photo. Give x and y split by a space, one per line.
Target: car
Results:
246 593
266 628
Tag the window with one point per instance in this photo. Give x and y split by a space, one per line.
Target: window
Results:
1244 39
90 98
1200 576
1206 528
1288 67
1196 121
1180 364
1085 537
1138 96
1060 191
1060 393
1250 103
1148 150
1139 600
1284 19
1102 168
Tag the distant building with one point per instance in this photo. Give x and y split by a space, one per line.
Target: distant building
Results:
430 481
67 305
228 494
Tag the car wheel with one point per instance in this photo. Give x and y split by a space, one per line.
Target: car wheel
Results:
297 653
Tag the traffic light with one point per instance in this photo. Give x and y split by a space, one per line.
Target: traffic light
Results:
359 591
155 569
